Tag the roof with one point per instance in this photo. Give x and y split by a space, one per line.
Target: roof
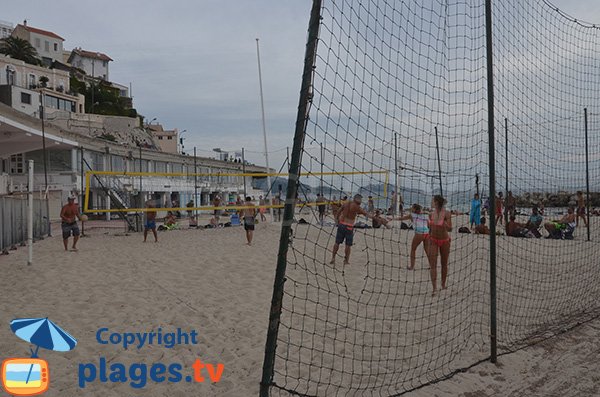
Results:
40 31
91 54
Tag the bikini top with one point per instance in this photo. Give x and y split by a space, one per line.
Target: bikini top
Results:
440 222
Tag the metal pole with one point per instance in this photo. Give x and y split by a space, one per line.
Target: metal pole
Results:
587 172
244 171
288 215
322 158
477 184
30 215
195 183
82 191
42 111
264 127
439 160
397 203
506 167
492 170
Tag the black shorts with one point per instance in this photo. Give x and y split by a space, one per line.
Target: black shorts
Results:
248 226
321 209
344 233
68 229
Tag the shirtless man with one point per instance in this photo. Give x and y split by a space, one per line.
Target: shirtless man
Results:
69 214
321 206
217 203
345 227
150 221
556 227
249 216
581 209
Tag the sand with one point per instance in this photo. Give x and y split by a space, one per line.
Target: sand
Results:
211 282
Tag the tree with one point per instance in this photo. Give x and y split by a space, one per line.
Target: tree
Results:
19 49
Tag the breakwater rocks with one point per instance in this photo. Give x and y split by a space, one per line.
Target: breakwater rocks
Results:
559 199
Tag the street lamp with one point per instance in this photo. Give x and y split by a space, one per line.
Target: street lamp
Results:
181 140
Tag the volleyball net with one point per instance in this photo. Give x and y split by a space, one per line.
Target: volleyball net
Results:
132 191
406 86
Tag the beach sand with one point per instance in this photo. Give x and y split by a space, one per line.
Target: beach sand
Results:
211 282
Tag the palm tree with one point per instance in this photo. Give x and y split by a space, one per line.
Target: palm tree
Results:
19 49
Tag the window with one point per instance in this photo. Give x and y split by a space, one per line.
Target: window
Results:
55 46
160 166
104 63
32 81
16 164
117 163
37 42
177 168
169 137
160 138
26 98
46 45
98 161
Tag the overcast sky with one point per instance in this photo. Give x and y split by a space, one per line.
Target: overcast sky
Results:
193 65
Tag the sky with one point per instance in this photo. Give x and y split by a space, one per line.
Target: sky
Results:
193 64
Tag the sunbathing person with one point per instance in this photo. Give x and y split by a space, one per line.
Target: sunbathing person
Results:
556 228
170 220
482 227
379 221
516 229
534 222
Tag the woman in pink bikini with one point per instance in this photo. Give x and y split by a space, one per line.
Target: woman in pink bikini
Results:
440 223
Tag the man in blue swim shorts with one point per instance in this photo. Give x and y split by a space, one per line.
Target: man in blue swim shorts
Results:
150 221
345 229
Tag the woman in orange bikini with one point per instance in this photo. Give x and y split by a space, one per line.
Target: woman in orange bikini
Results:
440 223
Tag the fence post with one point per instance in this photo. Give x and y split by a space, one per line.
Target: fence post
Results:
587 172
290 201
30 214
492 170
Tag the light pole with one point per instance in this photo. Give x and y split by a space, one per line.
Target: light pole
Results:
264 128
181 140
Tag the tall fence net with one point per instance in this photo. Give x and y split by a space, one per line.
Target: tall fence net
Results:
401 87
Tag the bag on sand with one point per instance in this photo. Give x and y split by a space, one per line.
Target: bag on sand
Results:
464 229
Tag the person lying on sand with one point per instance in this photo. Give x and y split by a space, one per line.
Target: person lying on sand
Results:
379 221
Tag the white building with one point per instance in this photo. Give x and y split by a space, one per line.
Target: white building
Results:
20 88
6 29
94 64
49 45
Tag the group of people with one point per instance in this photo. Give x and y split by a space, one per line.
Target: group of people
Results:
507 207
432 230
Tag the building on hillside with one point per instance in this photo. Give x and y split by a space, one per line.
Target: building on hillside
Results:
167 139
94 64
71 154
6 29
22 85
49 45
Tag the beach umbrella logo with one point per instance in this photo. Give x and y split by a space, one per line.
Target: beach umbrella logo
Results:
31 376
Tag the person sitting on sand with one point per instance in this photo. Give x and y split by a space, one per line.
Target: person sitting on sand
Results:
379 221
440 224
170 220
420 223
516 229
150 221
249 217
534 223
345 227
482 227
555 228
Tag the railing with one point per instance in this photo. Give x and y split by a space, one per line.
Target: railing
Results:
13 220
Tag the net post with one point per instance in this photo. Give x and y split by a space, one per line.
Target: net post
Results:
30 212
82 193
196 181
397 203
492 171
243 169
439 160
506 167
322 159
288 214
587 172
